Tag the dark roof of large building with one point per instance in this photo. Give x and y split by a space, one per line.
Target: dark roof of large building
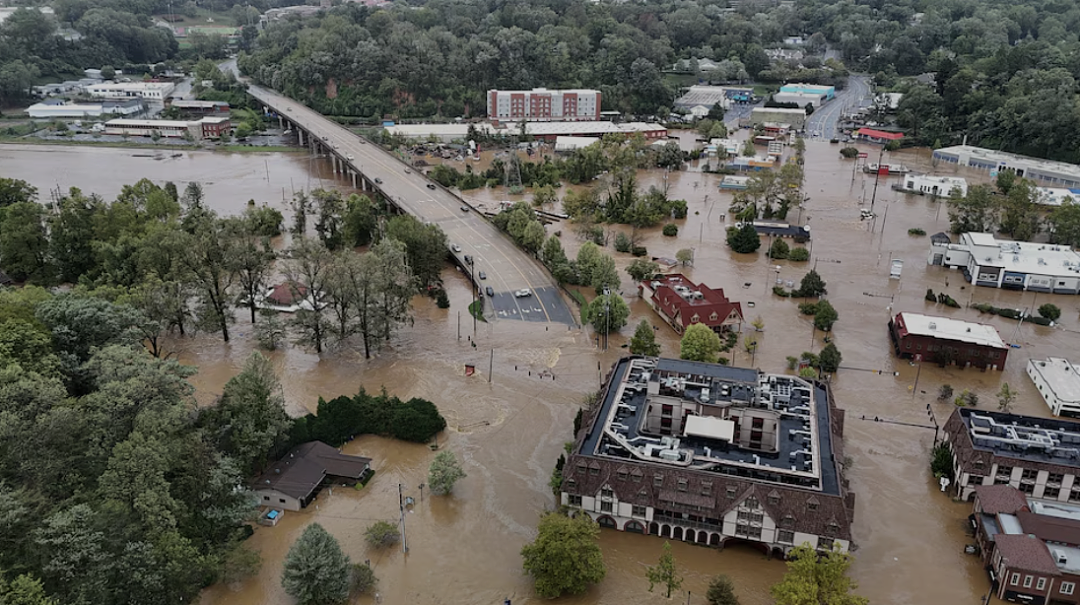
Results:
995 499
1026 552
1050 528
1049 444
300 471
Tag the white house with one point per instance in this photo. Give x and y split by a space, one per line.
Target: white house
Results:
1058 381
934 185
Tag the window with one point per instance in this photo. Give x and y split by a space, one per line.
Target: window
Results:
581 467
267 498
974 480
638 511
281 500
787 522
751 503
594 470
1016 580
1066 587
666 410
824 543
622 474
785 536
665 422
682 485
658 481
731 493
605 507
1055 478
574 500
706 488
1041 584
812 504
636 477
1029 474
1052 493
606 493
774 499
832 529
1027 488
1027 581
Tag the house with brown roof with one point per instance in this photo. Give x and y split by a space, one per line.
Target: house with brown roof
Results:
1038 456
294 481
286 298
712 454
681 303
1029 546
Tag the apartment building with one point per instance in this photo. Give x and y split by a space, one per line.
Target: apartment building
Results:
1038 456
712 454
1030 548
541 104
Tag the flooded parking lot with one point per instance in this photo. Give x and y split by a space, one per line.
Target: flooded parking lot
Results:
509 423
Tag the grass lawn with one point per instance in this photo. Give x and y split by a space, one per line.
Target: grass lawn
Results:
476 309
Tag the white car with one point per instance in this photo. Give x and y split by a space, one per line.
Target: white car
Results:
351 158
524 293
456 248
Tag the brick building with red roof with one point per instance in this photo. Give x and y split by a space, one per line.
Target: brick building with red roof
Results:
681 303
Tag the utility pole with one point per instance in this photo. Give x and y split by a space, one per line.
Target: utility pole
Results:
401 508
877 177
491 365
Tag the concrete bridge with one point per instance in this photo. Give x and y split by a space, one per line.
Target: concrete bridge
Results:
507 269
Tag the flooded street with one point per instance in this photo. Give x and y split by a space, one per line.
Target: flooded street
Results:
508 426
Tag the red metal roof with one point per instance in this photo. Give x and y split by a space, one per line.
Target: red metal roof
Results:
879 134
711 309
285 295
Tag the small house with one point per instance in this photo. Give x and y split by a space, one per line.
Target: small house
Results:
294 481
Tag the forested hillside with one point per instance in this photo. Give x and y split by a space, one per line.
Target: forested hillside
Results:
1006 70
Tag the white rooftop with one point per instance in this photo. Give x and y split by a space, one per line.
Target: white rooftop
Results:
1010 524
953 329
571 143
1061 376
161 123
1021 257
782 110
1067 558
709 427
587 128
1053 508
1011 159
546 91
1055 196
132 85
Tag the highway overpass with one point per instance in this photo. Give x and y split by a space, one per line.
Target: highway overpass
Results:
507 268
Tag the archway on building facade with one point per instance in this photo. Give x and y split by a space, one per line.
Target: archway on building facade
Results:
689 535
703 537
676 533
606 521
654 528
761 547
634 526
665 531
714 540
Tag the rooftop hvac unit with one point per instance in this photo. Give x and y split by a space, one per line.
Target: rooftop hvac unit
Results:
670 455
933 326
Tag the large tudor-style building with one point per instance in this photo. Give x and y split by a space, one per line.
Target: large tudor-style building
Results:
682 303
710 454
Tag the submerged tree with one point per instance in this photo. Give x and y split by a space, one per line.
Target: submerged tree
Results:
316 571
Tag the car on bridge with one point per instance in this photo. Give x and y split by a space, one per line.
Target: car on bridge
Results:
483 275
455 248
378 181
464 208
431 185
490 291
523 293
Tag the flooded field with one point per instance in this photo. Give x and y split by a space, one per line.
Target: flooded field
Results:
508 424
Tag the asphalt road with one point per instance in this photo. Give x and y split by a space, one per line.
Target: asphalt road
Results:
826 118
508 268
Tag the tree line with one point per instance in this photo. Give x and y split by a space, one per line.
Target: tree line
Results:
180 267
1012 206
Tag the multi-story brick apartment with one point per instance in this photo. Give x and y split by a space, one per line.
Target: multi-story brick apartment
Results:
1038 456
709 454
1030 547
541 104
945 341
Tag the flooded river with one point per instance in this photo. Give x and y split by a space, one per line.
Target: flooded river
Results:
508 424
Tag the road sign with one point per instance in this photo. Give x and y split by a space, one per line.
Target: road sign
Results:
864 155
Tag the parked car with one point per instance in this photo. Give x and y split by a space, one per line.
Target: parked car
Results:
464 208
490 291
431 185
523 293
407 171
455 248
483 275
378 181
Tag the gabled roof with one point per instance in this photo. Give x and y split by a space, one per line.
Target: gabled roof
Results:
880 134
301 471
286 295
997 499
1027 553
711 309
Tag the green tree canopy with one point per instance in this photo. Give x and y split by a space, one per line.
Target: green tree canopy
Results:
606 313
565 557
812 579
444 472
644 340
700 343
316 571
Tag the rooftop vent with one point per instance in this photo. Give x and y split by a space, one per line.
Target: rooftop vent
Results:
933 326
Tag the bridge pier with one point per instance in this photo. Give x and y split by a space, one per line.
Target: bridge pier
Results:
353 173
300 134
281 122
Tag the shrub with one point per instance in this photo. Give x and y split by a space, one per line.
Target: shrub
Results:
849 152
792 362
1050 311
622 242
808 308
800 255
639 251
343 418
442 300
777 290
930 296
916 231
945 392
779 249
381 533
671 229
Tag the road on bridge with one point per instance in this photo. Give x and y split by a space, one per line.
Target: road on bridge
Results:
507 268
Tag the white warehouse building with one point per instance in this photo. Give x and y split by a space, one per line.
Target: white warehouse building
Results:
985 261
934 185
157 91
1058 381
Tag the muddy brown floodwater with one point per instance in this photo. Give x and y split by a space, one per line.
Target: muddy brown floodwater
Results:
508 425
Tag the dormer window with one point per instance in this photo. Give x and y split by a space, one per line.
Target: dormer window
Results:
658 481
682 485
812 504
622 474
706 488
